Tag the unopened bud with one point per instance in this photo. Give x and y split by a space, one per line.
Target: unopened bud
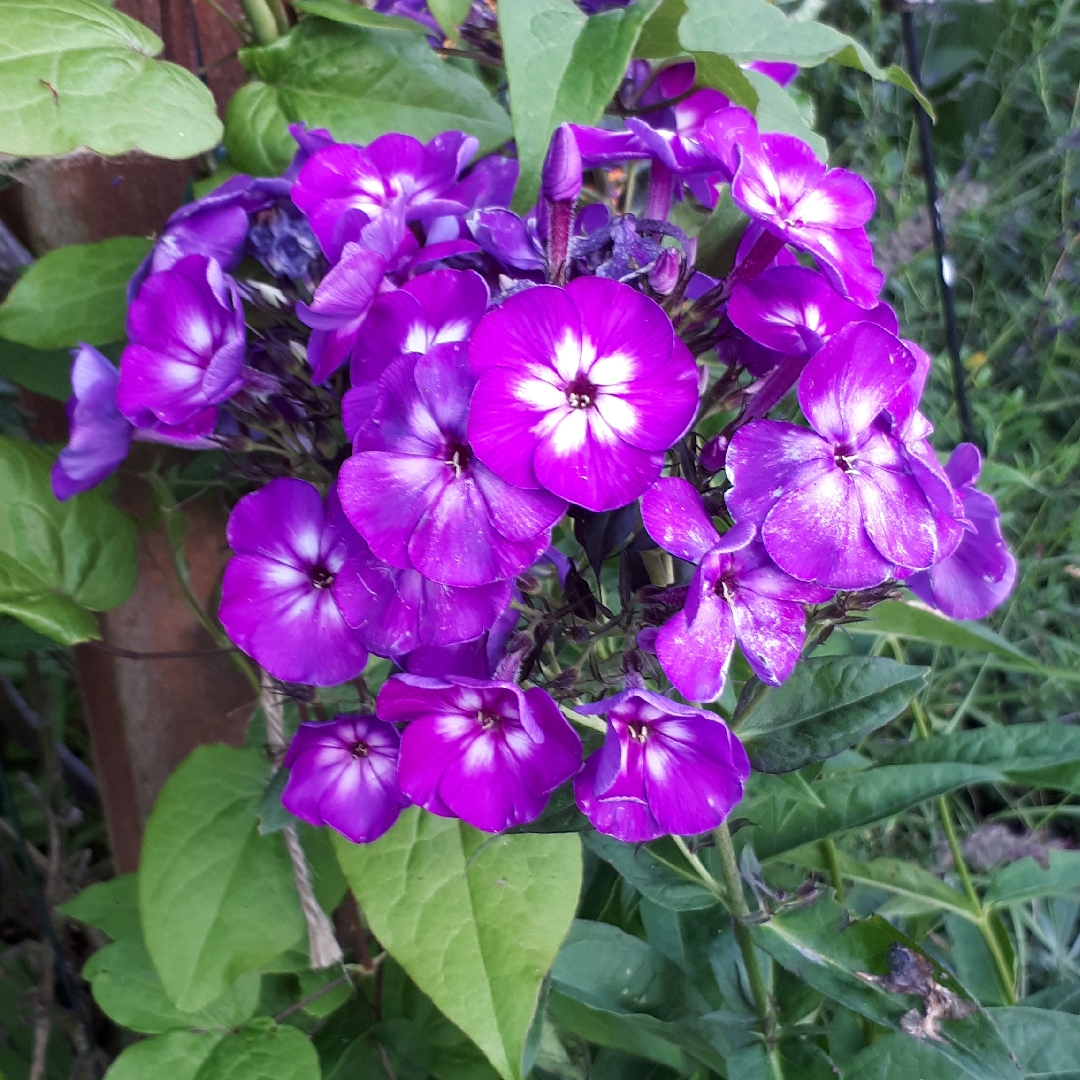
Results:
561 180
713 454
664 275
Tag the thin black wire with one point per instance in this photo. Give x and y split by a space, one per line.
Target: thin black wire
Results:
926 145
11 812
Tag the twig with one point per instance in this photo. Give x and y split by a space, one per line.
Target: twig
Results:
43 1008
303 1003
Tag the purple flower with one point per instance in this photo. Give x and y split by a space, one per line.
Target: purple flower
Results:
344 774
186 329
416 492
393 169
853 501
507 238
780 73
433 309
282 240
487 752
795 311
561 177
278 599
981 572
397 611
100 434
781 183
664 768
215 226
736 594
581 390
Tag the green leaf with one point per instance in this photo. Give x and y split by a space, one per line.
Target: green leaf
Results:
354 14
821 946
262 1051
747 30
1065 997
59 561
723 74
656 870
217 899
73 294
921 890
177 1055
659 39
74 73
718 241
1027 880
614 989
360 84
562 67
900 1057
828 704
850 801
44 371
1035 755
777 110
112 906
127 989
475 920
450 14
972 959
912 620
1047 1044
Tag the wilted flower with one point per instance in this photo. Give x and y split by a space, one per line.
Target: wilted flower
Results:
278 599
665 768
343 773
581 390
487 752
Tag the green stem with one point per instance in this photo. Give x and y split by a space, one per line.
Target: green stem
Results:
1006 978
260 15
736 902
828 849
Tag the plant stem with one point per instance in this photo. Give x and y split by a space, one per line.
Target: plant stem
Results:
1006 978
260 15
828 849
736 903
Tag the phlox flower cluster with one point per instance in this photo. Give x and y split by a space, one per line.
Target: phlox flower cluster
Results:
420 390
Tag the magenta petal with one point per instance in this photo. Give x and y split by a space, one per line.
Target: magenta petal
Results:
626 819
585 462
767 458
841 200
848 383
770 632
386 523
529 328
675 518
506 410
815 533
518 514
696 657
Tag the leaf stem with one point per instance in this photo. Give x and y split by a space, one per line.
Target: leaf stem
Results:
691 857
828 850
736 904
264 27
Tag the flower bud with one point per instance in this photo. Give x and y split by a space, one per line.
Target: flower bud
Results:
561 180
713 454
664 275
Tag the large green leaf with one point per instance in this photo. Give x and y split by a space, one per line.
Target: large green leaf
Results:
828 704
59 562
262 1051
73 294
822 946
450 14
217 899
75 73
900 1057
917 622
777 110
616 990
849 801
127 989
657 871
475 921
1027 880
354 14
1035 755
360 84
112 906
1047 1044
45 371
563 67
178 1055
746 30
